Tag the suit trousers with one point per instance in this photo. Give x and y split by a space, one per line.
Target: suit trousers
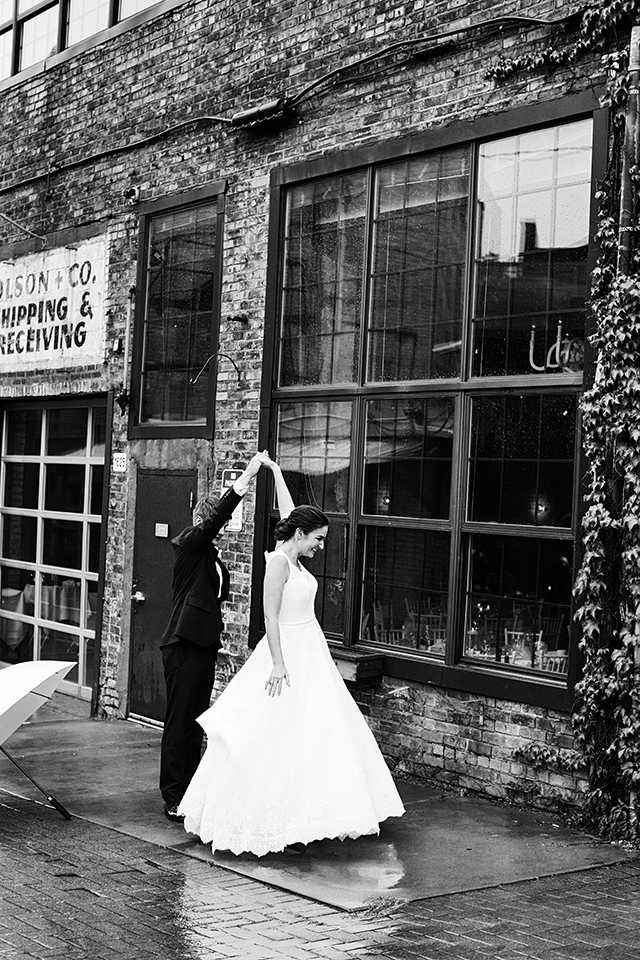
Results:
189 672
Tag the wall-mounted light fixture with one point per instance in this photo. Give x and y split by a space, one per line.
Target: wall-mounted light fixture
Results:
131 195
215 356
123 399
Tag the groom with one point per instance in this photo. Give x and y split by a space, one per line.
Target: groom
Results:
191 640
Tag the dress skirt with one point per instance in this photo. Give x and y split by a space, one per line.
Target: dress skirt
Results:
293 768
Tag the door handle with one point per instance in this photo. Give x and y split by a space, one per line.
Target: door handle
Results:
138 596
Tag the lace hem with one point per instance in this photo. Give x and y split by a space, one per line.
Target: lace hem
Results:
238 843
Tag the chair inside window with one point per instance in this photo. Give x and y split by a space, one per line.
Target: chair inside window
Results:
379 629
520 646
553 645
555 661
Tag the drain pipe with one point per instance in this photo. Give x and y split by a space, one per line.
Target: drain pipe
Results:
626 247
629 158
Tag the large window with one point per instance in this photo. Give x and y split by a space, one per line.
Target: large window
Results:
34 30
51 487
178 316
431 349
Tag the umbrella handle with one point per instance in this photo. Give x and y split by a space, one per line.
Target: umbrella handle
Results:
52 800
56 803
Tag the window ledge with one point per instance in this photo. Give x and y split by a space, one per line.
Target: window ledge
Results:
356 665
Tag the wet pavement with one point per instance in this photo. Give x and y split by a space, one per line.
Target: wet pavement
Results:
455 877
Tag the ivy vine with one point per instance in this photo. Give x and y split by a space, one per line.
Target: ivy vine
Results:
606 714
596 24
538 756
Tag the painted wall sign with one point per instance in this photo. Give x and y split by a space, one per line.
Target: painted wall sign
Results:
52 307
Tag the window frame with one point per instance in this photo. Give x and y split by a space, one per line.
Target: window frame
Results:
88 690
549 692
65 52
148 211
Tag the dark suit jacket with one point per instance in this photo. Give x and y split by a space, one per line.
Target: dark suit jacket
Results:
197 589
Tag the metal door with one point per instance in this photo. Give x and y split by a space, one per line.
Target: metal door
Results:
164 504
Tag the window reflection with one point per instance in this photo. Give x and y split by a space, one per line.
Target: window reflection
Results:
408 457
19 537
22 482
531 272
6 44
129 7
24 428
419 248
98 431
522 459
62 543
519 602
181 280
87 17
64 487
314 450
39 37
67 432
322 294
405 588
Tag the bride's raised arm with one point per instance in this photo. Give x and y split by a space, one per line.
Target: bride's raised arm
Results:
285 500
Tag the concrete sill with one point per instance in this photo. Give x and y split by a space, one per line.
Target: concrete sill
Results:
356 666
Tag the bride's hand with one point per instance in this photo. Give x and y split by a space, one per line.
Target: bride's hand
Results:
273 686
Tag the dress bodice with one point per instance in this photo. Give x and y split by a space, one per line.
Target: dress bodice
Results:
299 594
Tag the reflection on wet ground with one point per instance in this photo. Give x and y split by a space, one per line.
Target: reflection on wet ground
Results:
106 772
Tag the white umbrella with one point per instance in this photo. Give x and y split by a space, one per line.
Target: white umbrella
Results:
23 688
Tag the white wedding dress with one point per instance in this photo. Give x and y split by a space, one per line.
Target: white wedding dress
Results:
293 768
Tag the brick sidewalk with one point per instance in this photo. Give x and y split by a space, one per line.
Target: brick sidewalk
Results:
74 891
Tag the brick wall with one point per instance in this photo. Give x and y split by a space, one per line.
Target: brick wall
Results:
132 111
477 744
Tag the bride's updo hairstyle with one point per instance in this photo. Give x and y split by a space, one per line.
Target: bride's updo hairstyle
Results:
305 518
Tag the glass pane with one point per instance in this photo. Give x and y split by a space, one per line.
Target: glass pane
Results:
522 459
329 568
87 17
314 450
64 487
15 598
39 37
98 431
24 428
89 661
417 284
408 453
93 560
6 48
57 645
6 10
519 602
62 545
129 7
180 301
531 284
322 290
67 432
60 600
19 538
405 588
97 479
91 605
22 481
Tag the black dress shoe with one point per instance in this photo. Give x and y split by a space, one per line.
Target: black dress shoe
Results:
171 813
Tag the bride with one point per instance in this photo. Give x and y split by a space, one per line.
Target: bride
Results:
290 758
